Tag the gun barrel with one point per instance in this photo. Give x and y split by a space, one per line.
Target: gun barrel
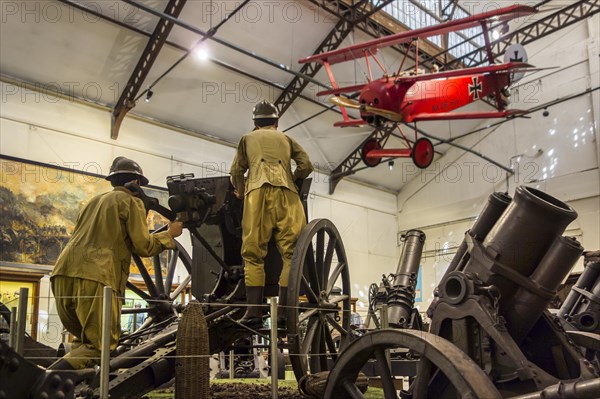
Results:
402 293
527 306
582 306
524 233
493 209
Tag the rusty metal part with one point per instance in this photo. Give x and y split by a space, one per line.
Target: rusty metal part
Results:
464 375
587 389
191 366
319 269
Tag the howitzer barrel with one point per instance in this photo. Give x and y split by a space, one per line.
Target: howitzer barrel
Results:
582 306
527 306
524 233
402 294
496 205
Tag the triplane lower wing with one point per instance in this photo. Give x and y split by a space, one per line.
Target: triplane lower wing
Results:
414 96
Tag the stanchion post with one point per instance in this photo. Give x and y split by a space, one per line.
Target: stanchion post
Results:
231 365
274 349
105 349
12 336
22 320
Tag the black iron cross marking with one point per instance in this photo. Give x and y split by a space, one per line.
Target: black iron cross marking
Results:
475 88
516 58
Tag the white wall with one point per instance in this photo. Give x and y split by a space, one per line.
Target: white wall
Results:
44 128
444 199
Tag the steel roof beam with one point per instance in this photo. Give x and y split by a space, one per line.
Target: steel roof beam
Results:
127 100
567 16
374 28
185 49
336 36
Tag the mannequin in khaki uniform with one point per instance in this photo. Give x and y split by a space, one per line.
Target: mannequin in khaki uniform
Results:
271 202
109 228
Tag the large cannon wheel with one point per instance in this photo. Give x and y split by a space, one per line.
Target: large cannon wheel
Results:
318 318
159 294
442 359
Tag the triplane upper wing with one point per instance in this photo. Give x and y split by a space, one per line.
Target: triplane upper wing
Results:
371 47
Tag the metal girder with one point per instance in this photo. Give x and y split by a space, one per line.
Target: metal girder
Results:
448 10
567 16
347 166
375 28
127 100
341 30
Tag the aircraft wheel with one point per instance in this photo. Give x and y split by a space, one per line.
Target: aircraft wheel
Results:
319 295
422 153
370 145
447 365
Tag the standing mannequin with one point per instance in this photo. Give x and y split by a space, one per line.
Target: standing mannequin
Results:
272 206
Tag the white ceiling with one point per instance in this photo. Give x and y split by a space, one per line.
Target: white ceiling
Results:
93 59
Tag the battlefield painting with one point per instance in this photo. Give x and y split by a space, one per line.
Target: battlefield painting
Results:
39 205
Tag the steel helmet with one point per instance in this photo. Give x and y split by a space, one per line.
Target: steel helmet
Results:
123 165
264 110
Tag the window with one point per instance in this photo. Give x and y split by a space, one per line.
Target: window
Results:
416 14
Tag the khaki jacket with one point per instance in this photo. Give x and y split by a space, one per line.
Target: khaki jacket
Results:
266 153
109 229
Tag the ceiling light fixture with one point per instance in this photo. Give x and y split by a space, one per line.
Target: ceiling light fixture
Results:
391 165
201 53
149 94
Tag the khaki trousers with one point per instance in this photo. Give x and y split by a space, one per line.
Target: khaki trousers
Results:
268 211
79 306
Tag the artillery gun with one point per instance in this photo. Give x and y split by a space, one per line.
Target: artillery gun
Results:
491 335
212 213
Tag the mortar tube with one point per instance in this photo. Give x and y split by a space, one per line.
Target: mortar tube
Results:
586 281
527 307
491 212
523 234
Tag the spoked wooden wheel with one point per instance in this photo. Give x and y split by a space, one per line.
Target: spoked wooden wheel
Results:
158 291
319 298
445 363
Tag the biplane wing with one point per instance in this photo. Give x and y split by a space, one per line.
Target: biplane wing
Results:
511 66
465 115
372 46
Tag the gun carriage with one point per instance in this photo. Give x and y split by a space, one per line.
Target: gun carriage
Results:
317 314
491 335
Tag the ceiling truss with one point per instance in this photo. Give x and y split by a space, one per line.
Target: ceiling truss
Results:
127 100
567 16
351 15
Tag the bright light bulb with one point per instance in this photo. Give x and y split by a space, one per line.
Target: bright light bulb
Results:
496 35
201 53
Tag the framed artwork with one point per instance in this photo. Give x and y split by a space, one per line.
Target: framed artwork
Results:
39 204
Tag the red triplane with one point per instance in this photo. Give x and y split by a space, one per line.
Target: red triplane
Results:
413 96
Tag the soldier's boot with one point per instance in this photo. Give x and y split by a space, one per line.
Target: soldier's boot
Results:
282 309
253 316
